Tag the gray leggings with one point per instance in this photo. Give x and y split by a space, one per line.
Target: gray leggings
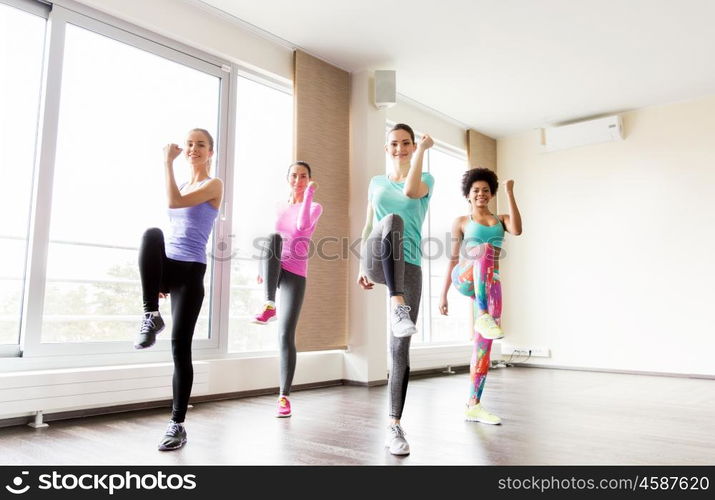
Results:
407 277
292 288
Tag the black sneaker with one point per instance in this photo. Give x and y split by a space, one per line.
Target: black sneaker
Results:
174 438
150 327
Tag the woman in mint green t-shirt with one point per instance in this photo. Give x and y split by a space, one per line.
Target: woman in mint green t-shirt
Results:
391 255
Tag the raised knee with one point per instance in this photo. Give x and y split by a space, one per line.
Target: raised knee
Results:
153 234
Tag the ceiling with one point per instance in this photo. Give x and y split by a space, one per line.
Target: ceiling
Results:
507 66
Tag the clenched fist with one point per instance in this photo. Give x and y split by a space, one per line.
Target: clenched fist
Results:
171 151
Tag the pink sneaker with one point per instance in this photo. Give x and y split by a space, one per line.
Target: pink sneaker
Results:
268 315
283 407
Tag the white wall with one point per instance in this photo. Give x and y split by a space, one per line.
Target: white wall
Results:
366 359
615 267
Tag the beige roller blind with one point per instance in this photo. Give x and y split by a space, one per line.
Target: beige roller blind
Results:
482 152
322 107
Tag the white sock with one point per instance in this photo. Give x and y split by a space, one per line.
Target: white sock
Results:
154 314
270 303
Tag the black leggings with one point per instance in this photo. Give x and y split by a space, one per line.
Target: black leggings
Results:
184 281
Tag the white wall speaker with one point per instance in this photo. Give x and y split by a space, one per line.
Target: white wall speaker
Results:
385 88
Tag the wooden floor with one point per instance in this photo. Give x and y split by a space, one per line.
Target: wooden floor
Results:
550 417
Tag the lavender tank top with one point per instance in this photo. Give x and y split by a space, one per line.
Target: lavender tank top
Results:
189 232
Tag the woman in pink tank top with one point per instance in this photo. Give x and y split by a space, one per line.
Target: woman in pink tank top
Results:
285 266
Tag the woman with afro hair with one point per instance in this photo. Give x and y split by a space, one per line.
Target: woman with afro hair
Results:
479 236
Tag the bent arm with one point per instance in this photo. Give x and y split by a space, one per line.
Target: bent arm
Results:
414 187
308 214
512 221
211 191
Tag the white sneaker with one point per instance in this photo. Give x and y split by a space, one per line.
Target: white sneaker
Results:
400 322
396 441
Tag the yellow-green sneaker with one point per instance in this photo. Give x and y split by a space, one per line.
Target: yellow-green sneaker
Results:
487 327
476 413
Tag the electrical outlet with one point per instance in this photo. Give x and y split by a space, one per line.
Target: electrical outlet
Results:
541 352
534 351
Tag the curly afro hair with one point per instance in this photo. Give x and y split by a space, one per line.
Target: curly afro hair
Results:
479 174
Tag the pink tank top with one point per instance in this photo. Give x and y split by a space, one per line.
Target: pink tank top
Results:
296 224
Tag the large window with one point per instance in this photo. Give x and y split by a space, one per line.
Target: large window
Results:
264 150
103 99
105 105
22 37
119 106
447 203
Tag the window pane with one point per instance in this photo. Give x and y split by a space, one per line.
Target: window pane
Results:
447 203
264 150
119 106
22 37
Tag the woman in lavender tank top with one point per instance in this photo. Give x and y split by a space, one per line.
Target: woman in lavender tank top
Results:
177 266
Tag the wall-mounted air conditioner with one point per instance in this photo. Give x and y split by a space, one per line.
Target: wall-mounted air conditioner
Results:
605 129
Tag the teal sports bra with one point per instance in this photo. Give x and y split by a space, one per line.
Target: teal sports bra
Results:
478 234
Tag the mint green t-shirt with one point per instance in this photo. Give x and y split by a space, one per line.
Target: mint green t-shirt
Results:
387 197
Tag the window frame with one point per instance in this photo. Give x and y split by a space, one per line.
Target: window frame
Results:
41 10
35 7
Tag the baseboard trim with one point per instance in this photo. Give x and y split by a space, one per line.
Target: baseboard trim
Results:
89 412
439 372
358 383
264 392
12 422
